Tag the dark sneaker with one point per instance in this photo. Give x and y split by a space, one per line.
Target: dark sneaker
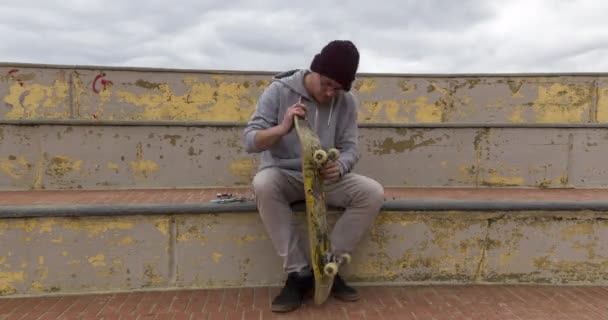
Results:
292 294
342 291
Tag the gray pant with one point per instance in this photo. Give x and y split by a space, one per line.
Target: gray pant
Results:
275 189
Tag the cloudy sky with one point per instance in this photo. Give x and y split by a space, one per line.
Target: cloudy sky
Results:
394 36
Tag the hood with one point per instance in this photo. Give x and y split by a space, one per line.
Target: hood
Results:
294 80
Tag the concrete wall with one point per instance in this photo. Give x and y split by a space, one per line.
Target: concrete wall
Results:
418 130
62 255
82 127
113 157
95 93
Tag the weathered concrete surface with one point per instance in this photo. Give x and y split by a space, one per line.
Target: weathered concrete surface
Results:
60 157
74 254
193 251
47 92
105 157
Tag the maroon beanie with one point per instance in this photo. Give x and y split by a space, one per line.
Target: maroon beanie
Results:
338 61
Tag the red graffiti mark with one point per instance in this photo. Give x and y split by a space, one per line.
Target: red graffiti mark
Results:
105 83
10 73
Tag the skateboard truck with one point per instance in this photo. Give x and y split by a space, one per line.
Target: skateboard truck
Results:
321 156
332 262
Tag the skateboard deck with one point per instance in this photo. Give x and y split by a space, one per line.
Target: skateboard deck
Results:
324 264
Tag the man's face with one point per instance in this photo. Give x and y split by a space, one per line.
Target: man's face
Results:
326 88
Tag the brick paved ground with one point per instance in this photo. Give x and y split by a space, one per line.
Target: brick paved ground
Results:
54 197
413 302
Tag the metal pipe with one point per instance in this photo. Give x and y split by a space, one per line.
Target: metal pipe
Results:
85 210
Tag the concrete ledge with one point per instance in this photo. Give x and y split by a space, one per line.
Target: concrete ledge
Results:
152 250
84 210
15 64
91 241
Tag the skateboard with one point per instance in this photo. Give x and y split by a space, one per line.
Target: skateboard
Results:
324 263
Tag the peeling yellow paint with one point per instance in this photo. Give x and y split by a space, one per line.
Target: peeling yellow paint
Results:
39 171
2 260
93 227
162 225
40 260
217 257
233 98
15 167
57 240
105 95
113 166
569 232
504 181
28 101
243 168
37 286
47 227
560 103
602 104
142 168
444 164
153 277
61 165
559 181
219 100
366 85
392 111
390 145
44 272
98 260
589 247
126 241
427 112
8 280
515 116
191 233
64 253
248 238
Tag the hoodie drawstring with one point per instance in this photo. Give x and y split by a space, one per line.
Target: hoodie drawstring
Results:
331 109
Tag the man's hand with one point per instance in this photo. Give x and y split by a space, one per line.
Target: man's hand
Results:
297 109
331 171
264 139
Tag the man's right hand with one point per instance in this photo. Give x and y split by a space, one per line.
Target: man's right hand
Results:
264 139
297 109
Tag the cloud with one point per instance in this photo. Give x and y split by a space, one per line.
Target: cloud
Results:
405 36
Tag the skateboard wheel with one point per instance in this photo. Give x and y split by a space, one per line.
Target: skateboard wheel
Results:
346 258
333 154
320 157
331 269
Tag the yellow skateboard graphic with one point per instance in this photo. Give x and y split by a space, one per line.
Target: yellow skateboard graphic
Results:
324 264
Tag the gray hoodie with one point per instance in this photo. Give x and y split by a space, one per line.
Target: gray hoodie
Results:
335 123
